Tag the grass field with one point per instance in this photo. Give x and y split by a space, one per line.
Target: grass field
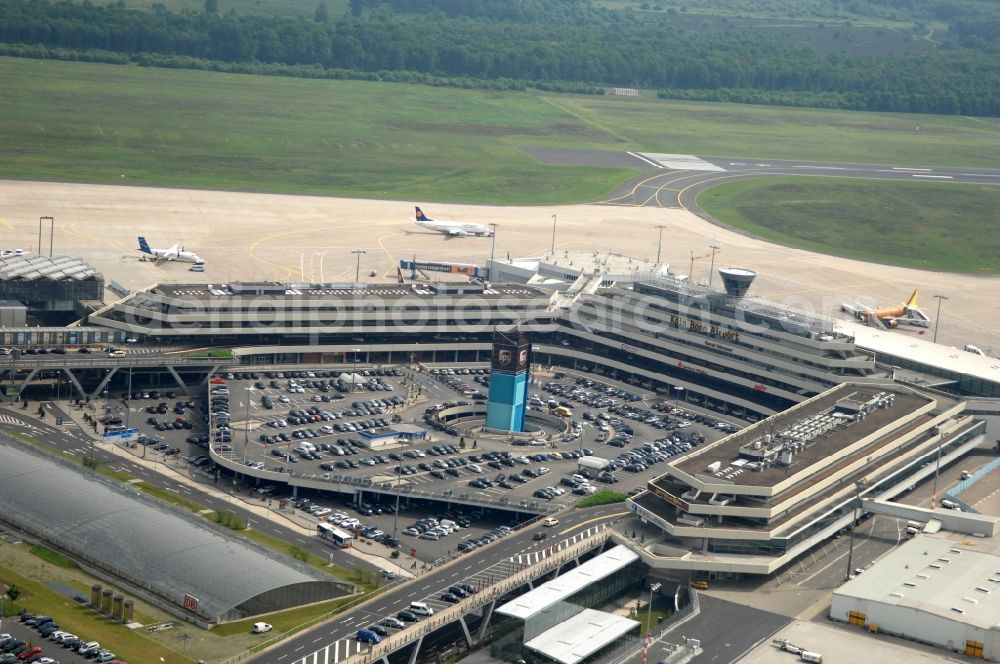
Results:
129 125
52 557
79 122
80 620
935 226
285 621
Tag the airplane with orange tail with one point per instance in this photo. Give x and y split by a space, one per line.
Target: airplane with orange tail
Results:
906 313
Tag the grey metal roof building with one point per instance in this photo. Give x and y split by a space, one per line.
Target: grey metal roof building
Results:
54 289
945 592
557 620
165 555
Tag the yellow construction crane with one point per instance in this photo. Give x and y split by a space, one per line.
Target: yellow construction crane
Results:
693 259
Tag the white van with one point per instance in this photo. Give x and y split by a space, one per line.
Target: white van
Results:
421 609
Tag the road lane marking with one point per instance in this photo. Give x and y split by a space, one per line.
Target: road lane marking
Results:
940 177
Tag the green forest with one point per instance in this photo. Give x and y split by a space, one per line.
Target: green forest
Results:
562 45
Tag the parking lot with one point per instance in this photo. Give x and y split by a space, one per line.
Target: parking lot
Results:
303 422
314 423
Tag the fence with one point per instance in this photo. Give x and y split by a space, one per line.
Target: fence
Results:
953 492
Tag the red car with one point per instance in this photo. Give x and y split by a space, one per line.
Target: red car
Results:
28 654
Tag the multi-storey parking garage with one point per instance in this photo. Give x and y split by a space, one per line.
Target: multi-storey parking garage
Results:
755 500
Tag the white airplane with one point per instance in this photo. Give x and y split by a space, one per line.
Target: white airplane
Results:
174 253
452 228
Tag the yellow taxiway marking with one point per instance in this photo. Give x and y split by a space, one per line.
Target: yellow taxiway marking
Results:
634 189
5 223
287 270
598 518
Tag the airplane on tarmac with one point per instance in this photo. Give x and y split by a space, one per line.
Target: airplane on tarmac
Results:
907 313
452 228
174 253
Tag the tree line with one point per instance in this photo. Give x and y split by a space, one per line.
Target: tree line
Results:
571 46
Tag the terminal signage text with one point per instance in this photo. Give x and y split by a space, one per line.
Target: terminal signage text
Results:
702 328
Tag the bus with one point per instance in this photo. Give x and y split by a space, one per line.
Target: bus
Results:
335 535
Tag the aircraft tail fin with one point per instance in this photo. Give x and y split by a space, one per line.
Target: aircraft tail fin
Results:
420 214
912 302
144 246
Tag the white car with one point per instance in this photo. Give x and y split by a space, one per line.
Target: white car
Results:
550 522
261 627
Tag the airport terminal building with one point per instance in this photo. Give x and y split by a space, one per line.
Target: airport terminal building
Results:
718 348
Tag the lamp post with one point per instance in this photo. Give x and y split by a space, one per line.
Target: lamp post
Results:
552 250
357 268
128 397
937 318
52 222
493 246
246 425
354 370
659 243
649 614
937 470
395 513
711 269
854 521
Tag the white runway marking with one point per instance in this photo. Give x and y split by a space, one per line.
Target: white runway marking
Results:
824 168
648 161
681 162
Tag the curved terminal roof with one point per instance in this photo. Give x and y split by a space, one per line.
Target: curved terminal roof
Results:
165 552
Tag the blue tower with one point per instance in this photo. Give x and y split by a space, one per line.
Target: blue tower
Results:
509 378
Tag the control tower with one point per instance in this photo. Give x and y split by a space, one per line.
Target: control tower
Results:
736 280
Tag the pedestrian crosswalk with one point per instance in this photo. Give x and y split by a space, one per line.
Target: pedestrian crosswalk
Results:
10 419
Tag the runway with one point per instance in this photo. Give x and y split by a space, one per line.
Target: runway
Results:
276 237
674 180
